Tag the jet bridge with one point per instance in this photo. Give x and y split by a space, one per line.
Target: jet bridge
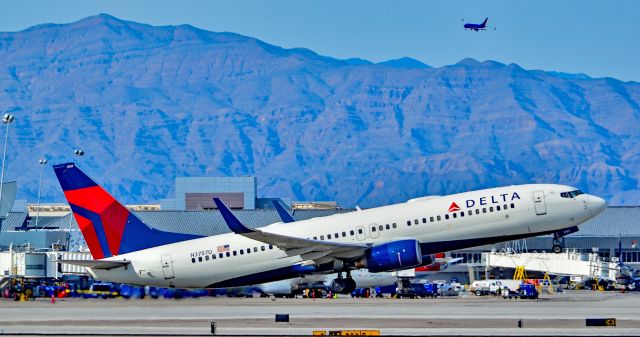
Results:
567 263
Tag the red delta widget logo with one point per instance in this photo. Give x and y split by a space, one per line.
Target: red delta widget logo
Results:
493 199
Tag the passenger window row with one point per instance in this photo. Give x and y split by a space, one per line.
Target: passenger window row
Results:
229 254
462 214
380 228
353 232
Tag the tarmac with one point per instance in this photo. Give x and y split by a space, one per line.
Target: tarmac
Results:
551 315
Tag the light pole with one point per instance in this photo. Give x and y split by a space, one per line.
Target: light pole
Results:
79 154
6 119
43 163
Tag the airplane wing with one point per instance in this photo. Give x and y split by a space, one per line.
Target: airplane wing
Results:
307 249
96 264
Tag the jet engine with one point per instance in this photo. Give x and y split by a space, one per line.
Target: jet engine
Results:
395 255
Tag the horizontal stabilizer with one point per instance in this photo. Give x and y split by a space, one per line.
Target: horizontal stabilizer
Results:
96 264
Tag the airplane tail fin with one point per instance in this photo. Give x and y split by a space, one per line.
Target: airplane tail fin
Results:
282 212
620 259
484 23
107 226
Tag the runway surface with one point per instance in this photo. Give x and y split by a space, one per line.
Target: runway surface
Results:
562 314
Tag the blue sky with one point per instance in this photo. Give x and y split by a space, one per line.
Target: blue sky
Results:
598 38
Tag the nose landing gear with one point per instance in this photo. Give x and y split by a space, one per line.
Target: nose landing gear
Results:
558 239
342 285
558 246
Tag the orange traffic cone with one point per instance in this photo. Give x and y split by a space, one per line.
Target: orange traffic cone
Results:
53 299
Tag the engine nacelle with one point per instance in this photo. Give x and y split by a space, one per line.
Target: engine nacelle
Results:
396 255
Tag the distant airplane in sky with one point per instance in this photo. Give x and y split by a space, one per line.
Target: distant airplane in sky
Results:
475 26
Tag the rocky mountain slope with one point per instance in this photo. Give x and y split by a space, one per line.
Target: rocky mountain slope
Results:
147 104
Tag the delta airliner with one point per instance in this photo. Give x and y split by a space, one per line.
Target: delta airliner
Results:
388 238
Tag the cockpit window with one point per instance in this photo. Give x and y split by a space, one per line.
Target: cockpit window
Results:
571 194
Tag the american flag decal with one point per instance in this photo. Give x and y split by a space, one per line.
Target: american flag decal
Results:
223 248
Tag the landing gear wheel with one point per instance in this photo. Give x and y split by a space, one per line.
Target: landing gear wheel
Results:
339 285
343 285
557 248
351 285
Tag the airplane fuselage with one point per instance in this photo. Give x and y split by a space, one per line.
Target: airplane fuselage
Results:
439 223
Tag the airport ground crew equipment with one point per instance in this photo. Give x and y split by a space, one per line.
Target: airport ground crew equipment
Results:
526 291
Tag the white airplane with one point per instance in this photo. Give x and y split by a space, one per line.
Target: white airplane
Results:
387 238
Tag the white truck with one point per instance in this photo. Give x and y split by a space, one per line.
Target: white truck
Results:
494 287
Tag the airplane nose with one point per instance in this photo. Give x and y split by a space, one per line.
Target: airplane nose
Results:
596 204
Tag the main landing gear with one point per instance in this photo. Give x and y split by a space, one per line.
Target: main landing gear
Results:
342 285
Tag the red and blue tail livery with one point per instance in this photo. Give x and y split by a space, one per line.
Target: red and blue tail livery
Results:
108 227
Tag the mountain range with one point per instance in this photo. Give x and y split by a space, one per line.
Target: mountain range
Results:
151 103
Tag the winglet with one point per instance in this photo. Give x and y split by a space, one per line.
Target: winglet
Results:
234 224
284 215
